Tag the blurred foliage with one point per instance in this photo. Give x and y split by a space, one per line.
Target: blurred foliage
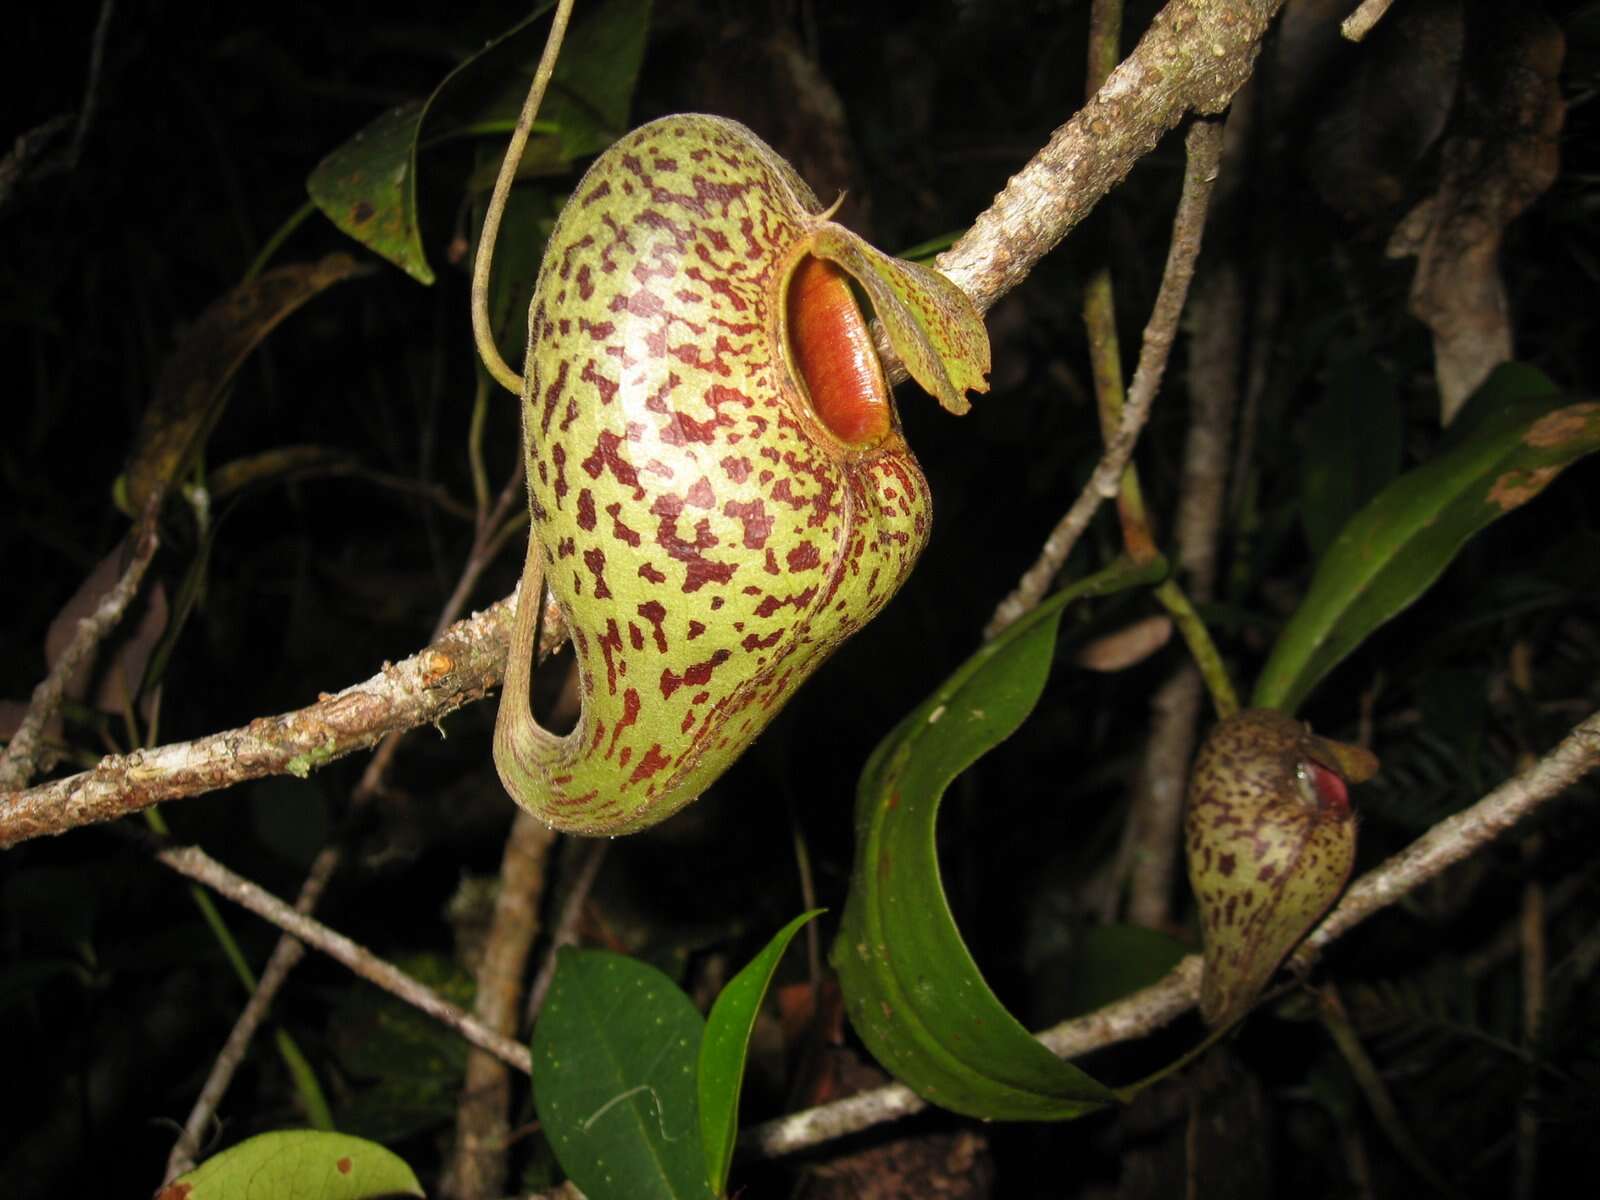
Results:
343 491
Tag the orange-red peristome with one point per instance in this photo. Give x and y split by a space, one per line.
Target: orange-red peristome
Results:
833 354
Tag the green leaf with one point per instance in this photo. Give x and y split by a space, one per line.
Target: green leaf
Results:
931 323
614 1079
368 186
298 1164
722 1051
911 988
1394 548
1352 447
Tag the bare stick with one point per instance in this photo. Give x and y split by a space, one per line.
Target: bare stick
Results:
1359 23
194 863
18 762
487 236
1204 145
566 930
478 1164
285 956
1460 836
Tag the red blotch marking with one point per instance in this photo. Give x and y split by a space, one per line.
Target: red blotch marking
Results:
591 375
558 456
753 516
585 508
700 698
737 469
695 630
772 604
635 636
552 394
681 429
655 612
752 642
695 676
716 280
595 560
344 1166
630 714
771 564
596 193
607 456
652 762
611 644
646 571
642 303
598 331
618 530
804 557
699 570
701 494
566 547
687 723
559 800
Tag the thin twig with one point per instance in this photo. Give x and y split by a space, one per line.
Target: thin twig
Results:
194 863
1359 23
91 87
1204 145
1460 836
19 761
1192 58
285 956
478 1164
288 951
482 330
566 928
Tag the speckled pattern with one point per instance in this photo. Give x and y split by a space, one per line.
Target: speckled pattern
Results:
1270 839
709 542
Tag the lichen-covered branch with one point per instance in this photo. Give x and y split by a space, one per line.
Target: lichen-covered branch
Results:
1193 58
456 669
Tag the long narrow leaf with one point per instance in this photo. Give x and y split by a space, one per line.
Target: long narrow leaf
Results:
1390 552
911 987
720 1077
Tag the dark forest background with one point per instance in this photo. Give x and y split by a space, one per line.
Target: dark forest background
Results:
114 995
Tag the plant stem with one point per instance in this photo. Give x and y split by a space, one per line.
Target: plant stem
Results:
482 332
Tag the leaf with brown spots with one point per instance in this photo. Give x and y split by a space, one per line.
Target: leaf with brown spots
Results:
1512 439
298 1162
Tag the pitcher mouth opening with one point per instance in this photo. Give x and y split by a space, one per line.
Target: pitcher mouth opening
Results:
829 348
